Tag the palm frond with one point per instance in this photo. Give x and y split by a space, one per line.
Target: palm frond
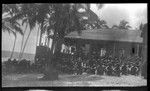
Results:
24 21
32 23
18 29
6 26
5 8
18 16
14 33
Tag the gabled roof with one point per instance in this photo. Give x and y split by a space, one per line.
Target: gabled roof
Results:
109 35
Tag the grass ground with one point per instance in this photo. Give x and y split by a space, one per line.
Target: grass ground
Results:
32 80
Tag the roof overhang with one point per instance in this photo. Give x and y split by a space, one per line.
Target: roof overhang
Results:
108 35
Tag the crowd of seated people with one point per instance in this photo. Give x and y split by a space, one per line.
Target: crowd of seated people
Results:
79 63
101 65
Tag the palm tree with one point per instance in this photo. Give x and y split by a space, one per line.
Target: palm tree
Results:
67 19
57 24
70 19
13 46
32 14
10 24
24 32
28 12
8 29
59 13
37 35
64 18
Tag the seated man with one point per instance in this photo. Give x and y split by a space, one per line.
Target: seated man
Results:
100 70
124 69
117 69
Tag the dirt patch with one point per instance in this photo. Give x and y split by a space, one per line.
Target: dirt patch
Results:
32 80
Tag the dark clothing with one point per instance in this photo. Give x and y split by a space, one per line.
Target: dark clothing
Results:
133 70
100 70
124 70
109 70
117 70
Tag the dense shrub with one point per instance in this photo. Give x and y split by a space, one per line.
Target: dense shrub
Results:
16 66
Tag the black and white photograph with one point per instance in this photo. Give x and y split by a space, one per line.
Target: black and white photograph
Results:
74 45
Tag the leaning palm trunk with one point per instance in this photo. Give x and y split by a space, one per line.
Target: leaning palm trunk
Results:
13 48
25 45
22 42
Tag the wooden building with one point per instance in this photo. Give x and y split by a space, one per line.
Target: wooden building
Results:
114 42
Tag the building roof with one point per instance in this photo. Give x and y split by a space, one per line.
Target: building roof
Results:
109 35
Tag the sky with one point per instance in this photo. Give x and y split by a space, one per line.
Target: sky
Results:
135 14
114 13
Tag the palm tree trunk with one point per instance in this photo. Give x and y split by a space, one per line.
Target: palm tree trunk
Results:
25 44
48 42
13 48
22 41
53 46
37 35
41 34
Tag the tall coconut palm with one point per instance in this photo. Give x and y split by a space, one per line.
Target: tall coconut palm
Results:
37 13
54 11
32 14
10 24
22 41
28 12
13 46
40 12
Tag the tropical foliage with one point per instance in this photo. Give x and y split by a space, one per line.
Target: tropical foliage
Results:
10 23
56 20
122 25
